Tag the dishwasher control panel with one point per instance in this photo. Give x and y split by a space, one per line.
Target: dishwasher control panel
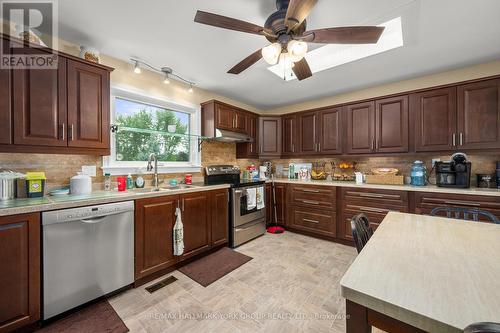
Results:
72 214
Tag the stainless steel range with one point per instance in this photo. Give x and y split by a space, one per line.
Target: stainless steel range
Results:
244 224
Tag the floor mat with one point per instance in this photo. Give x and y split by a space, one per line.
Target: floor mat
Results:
209 269
95 318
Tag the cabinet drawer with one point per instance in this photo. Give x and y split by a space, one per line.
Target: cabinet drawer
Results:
431 200
375 198
313 220
314 196
375 220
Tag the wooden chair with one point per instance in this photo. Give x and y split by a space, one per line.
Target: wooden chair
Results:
483 328
465 213
361 231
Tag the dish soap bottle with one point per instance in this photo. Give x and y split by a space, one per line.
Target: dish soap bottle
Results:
107 182
130 182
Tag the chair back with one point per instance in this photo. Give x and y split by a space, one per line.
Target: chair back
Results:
361 231
465 214
483 328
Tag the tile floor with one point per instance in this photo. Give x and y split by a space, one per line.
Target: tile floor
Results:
291 285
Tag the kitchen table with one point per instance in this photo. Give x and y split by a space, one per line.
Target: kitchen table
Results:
422 273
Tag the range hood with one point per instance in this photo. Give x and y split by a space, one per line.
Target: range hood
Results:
230 136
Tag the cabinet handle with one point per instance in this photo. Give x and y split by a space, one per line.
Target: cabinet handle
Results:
182 204
463 203
63 129
261 148
310 191
309 220
319 146
454 138
310 202
373 144
293 148
70 134
368 209
461 139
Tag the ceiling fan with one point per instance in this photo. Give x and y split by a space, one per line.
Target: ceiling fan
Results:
286 30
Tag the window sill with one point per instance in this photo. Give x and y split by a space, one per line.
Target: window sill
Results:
114 170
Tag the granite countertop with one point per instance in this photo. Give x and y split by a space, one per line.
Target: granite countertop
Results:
442 277
429 188
32 205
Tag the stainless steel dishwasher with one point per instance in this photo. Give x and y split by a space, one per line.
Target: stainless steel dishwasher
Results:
88 252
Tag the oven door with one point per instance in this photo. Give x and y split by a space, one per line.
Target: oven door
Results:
241 214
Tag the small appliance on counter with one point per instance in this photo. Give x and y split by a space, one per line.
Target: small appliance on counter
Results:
455 173
80 184
485 180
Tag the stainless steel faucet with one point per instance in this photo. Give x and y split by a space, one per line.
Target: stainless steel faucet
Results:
156 181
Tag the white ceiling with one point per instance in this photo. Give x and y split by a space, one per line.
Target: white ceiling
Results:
438 34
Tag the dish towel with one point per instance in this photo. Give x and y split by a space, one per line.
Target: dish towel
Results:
178 234
251 198
260 198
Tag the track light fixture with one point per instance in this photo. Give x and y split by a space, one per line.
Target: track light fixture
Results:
167 72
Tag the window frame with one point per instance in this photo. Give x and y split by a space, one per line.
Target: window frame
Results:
114 167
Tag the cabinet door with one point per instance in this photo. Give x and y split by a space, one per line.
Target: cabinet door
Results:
435 113
269 208
220 217
5 104
391 125
320 222
280 190
224 116
330 131
289 124
240 122
39 103
196 219
249 150
88 106
308 133
361 128
270 136
154 223
19 271
479 115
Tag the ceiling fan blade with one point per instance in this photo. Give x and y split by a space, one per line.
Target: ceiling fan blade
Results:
247 62
302 70
227 23
344 35
297 12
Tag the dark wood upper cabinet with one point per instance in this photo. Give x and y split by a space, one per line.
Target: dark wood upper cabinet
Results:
19 271
270 136
330 133
250 149
39 106
196 218
479 115
360 128
88 106
290 135
5 104
220 217
308 129
240 121
391 125
224 116
219 115
435 119
154 223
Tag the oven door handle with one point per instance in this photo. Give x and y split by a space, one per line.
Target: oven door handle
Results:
238 192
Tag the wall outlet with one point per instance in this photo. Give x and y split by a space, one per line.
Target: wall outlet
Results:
89 170
434 160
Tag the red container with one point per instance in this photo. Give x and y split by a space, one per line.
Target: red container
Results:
188 179
122 183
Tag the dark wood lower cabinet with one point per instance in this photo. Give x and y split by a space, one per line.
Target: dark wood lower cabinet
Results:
19 271
205 220
269 209
196 219
154 223
319 221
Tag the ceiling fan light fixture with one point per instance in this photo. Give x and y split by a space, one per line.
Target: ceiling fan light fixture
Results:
297 49
271 53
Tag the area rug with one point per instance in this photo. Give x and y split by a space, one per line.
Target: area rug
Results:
209 269
95 318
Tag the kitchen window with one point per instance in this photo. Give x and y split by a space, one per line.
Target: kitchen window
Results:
145 125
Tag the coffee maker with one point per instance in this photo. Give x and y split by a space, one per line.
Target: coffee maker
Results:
455 173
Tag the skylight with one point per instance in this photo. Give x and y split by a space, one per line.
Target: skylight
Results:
333 55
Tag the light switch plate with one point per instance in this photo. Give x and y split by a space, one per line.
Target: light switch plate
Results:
89 170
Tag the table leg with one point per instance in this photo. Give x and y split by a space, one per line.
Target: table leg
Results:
356 318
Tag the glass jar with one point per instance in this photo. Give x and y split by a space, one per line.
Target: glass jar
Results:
418 174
